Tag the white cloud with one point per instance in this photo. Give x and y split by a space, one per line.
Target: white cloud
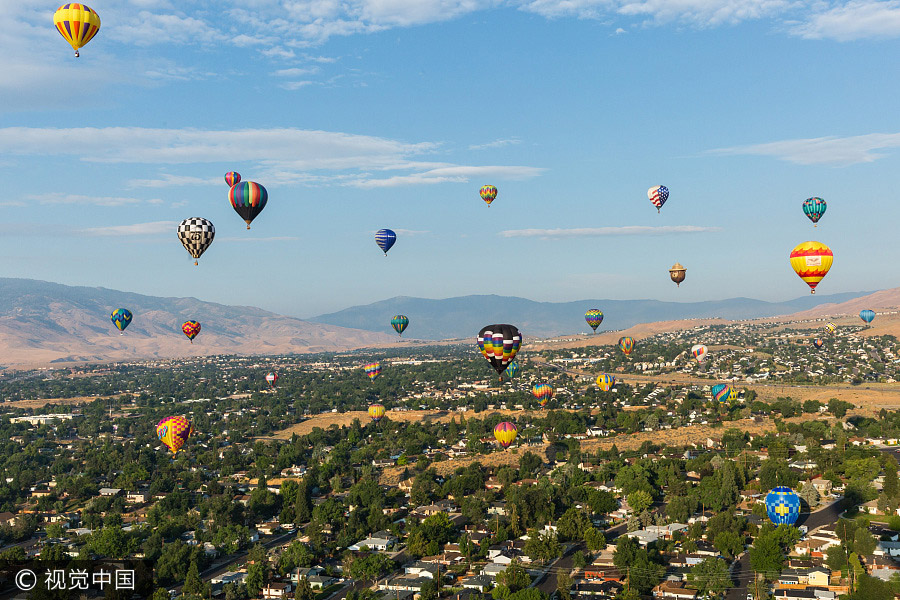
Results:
243 240
854 20
607 231
154 228
832 150
62 198
296 85
296 72
454 174
496 144
169 180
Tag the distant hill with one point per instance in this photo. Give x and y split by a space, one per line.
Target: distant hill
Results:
463 316
883 300
43 322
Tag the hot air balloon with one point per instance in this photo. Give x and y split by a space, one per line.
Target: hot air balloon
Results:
488 193
190 329
512 369
594 317
373 370
811 261
721 392
830 327
677 273
232 178
814 208
248 199
174 432
385 239
699 352
543 392
658 195
505 433
818 343
196 234
77 23
376 411
626 344
783 506
121 318
399 323
272 378
499 344
867 315
606 382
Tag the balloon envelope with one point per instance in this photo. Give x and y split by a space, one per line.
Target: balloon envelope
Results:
376 411
399 323
814 208
505 433
699 352
721 392
626 344
867 315
594 317
512 369
830 327
190 329
196 234
488 193
373 370
606 382
232 177
272 378
818 342
121 318
385 238
543 392
811 262
174 432
77 23
658 195
783 506
499 344
248 199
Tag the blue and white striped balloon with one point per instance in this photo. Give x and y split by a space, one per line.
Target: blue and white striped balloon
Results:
385 239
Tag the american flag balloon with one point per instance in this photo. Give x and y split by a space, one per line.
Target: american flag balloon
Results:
658 195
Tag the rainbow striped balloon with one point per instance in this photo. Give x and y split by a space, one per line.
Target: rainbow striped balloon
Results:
594 317
505 433
488 193
543 392
373 370
626 344
232 178
721 392
248 199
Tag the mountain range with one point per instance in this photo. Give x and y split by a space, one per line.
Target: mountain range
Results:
464 316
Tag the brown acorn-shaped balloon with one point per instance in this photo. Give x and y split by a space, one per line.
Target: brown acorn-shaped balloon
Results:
677 273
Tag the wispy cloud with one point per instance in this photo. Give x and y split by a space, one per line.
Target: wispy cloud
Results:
832 150
607 231
169 180
253 240
496 144
409 232
296 85
853 20
454 174
153 228
296 72
61 198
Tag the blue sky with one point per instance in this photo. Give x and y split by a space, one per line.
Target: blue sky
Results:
363 114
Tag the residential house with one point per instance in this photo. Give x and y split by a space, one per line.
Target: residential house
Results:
675 590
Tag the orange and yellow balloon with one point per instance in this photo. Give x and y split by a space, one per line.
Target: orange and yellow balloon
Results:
505 433
626 344
811 261
77 23
543 392
376 411
174 432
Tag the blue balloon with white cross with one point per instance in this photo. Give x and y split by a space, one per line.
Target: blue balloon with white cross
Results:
783 506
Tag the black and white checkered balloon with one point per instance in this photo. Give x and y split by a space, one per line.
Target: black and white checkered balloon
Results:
196 234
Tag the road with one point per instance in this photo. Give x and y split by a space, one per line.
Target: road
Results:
742 571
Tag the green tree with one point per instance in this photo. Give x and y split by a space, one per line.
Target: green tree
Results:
766 556
515 577
710 576
257 570
594 539
193 586
563 585
639 500
304 590
729 543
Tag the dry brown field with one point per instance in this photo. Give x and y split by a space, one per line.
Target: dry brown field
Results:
46 401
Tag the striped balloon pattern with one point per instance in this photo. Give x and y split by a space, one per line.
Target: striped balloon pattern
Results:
488 193
399 323
658 195
232 177
499 344
867 315
543 392
512 369
830 327
814 208
190 329
505 433
811 261
121 318
606 382
818 343
248 199
594 317
373 370
722 392
783 506
77 23
174 432
626 344
376 411
385 238
272 379
699 352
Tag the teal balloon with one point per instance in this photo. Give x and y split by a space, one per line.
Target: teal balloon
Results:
512 369
121 318
814 208
867 315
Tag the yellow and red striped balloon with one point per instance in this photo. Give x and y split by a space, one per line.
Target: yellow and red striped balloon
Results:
811 262
77 23
505 433
376 411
